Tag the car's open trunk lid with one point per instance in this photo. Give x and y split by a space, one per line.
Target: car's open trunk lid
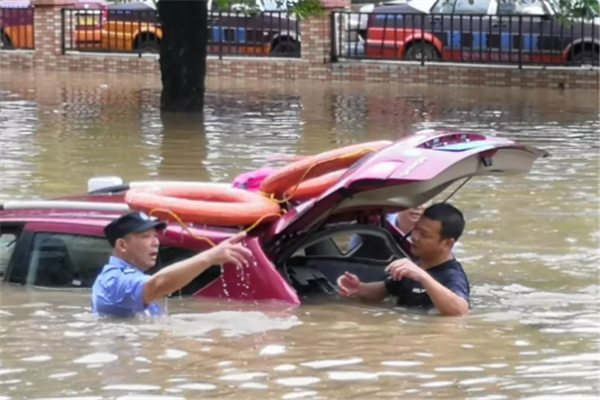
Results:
407 174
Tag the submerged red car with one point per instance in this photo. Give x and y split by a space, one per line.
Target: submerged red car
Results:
60 243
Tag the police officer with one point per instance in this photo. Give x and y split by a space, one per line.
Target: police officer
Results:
404 220
122 289
438 281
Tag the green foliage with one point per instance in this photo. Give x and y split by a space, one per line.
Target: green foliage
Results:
587 9
307 8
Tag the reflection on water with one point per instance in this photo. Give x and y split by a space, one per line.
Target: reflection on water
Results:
531 248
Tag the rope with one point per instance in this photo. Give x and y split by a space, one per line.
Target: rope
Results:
202 238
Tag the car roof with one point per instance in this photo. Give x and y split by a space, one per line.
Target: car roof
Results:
58 216
95 218
70 216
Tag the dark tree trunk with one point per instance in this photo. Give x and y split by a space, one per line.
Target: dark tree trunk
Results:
184 147
183 54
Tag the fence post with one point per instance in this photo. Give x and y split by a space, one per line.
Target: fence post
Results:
422 41
63 44
522 42
49 31
318 34
221 34
139 15
334 44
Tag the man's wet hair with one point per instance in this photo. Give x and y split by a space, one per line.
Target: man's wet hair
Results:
452 220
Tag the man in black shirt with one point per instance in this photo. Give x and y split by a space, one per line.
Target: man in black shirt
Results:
438 281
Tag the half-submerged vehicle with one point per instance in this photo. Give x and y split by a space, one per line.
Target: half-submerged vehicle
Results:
297 253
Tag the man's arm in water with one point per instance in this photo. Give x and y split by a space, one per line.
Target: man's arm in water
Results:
350 286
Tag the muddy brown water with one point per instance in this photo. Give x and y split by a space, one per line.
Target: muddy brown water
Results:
530 249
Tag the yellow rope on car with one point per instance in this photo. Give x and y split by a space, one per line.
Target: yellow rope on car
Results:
201 238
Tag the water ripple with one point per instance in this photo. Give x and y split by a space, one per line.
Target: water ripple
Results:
530 247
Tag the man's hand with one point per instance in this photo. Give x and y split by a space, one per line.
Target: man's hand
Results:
348 285
406 269
230 251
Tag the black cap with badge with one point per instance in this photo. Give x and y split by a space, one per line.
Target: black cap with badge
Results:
134 222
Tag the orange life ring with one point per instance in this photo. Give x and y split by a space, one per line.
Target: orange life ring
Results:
288 178
210 204
314 187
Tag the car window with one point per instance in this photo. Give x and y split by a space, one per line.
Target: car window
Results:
344 242
521 7
64 260
369 246
443 7
7 246
478 7
87 18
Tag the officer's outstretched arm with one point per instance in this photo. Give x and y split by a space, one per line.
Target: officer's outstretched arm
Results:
176 276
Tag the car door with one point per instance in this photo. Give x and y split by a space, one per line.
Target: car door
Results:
463 28
473 20
445 26
527 32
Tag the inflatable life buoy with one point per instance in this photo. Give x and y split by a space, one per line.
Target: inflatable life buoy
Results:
305 191
314 187
290 177
210 204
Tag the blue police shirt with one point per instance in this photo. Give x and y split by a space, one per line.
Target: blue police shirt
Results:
119 291
411 293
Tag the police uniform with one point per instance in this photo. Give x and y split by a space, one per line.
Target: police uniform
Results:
119 289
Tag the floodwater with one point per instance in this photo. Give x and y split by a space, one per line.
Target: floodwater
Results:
530 249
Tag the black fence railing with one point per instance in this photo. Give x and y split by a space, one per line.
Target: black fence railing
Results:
501 39
273 34
16 28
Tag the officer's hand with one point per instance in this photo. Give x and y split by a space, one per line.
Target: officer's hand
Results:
230 251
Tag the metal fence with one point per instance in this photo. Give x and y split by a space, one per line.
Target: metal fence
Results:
16 28
521 40
274 34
